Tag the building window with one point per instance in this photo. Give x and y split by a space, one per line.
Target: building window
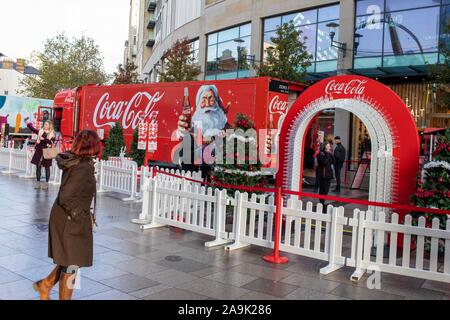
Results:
395 33
312 23
227 52
195 48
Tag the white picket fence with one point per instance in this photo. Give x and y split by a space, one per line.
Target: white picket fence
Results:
147 172
56 175
320 239
118 176
185 205
412 261
305 231
17 161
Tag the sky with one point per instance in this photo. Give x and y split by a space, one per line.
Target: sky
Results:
26 24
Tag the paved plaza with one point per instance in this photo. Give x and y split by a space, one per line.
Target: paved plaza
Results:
166 264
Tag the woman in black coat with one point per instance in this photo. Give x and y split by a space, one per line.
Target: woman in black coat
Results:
325 161
46 137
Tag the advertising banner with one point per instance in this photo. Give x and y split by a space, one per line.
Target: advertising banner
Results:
13 110
211 108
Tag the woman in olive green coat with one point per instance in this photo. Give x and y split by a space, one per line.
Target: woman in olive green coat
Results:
70 227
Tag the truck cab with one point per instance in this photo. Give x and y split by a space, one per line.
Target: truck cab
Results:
64 112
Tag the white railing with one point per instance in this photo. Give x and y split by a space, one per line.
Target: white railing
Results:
370 232
15 160
185 205
5 157
30 170
56 174
305 231
118 176
19 161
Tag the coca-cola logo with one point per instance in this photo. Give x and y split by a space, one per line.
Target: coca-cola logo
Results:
354 87
69 99
129 113
278 106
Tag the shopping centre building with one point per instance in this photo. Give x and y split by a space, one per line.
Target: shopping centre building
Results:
392 41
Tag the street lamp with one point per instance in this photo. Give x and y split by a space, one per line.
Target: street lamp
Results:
341 46
357 39
238 41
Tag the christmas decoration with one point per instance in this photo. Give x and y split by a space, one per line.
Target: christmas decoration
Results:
433 187
114 142
137 155
241 167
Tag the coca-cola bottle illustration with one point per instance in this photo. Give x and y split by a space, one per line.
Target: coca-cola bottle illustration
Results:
187 109
271 125
270 134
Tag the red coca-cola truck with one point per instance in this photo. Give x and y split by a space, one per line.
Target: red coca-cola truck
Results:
159 106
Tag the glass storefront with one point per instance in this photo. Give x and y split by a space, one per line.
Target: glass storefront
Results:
312 23
227 53
398 33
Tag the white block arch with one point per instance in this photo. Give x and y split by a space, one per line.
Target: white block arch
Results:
393 133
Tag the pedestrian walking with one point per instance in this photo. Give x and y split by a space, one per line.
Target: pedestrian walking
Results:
45 139
70 243
325 161
339 158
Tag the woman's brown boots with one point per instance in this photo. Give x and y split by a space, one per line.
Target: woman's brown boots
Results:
44 286
66 284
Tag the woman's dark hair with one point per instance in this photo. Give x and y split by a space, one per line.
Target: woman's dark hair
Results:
323 146
86 144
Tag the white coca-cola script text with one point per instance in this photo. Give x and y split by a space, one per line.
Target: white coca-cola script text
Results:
129 113
354 86
278 106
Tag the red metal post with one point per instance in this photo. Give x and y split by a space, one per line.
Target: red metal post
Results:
276 258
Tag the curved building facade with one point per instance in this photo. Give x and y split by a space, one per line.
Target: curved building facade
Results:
383 38
393 41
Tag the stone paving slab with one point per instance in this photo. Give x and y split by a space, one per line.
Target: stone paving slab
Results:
165 264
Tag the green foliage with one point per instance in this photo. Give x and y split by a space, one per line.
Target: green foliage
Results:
289 58
64 63
180 63
127 74
137 155
433 191
114 142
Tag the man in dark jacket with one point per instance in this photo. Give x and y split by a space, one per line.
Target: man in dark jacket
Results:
339 158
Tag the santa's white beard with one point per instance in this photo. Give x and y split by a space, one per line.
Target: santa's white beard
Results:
210 123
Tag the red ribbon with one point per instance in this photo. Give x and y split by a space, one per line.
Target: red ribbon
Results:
315 196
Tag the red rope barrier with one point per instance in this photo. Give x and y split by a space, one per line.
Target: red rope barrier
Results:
368 203
315 196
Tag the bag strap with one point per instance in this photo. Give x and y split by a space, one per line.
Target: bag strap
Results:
94 210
